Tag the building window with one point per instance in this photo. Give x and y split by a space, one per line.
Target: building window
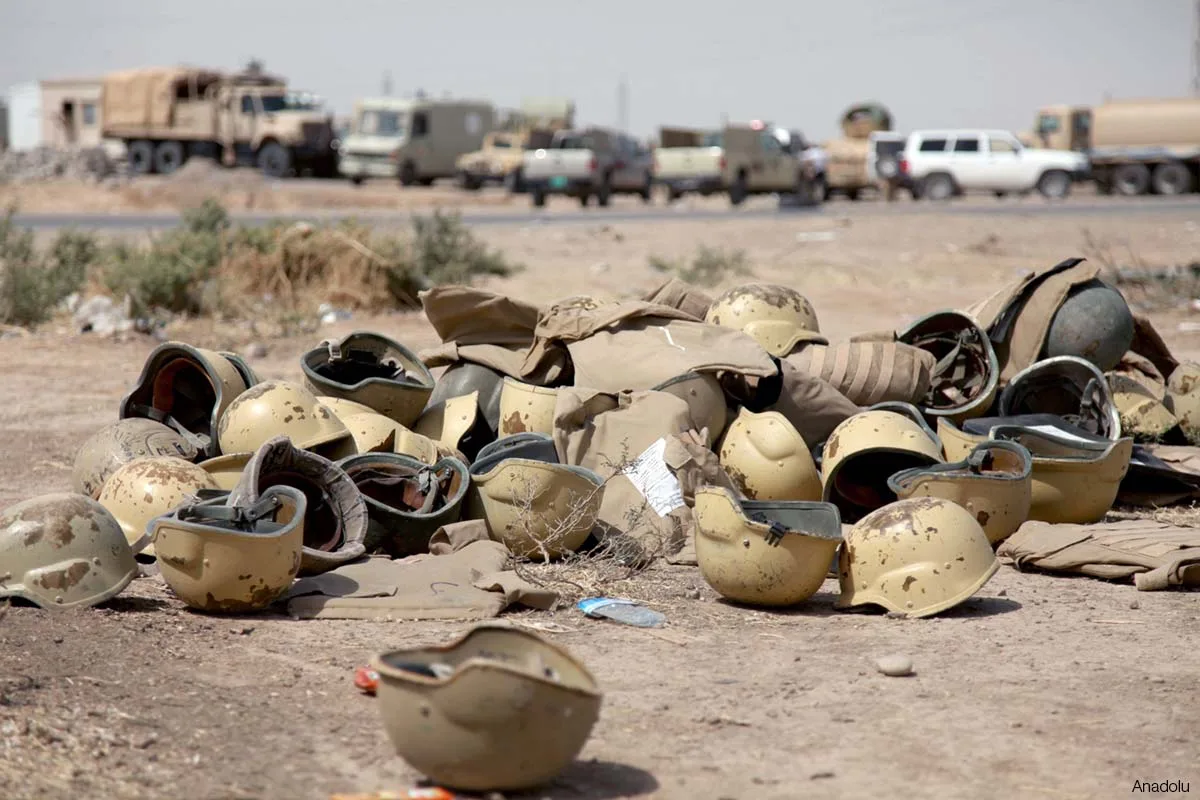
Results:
89 113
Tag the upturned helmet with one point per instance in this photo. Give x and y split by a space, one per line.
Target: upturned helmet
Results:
370 369
965 373
1067 386
63 550
120 442
916 557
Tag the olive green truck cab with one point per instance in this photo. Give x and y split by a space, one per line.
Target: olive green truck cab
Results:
755 161
165 115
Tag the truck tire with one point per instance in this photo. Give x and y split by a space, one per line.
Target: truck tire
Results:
141 157
168 157
469 182
737 190
1131 180
1054 184
852 195
673 194
938 187
274 160
647 191
1172 178
357 180
538 195
514 182
426 181
408 174
604 192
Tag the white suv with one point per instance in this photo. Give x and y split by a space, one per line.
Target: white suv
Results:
942 164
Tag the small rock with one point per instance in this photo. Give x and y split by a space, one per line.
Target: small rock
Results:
145 741
1158 679
256 350
1015 725
58 640
693 594
896 615
816 776
1134 604
244 631
894 666
1002 593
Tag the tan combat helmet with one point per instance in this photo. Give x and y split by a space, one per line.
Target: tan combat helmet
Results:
767 459
705 398
465 377
335 523
63 550
525 408
1067 386
1075 479
281 408
966 372
343 408
778 317
226 470
407 499
1183 395
375 433
957 443
149 487
537 507
501 709
916 557
867 449
232 558
120 442
765 553
1141 405
994 483
370 369
188 388
457 423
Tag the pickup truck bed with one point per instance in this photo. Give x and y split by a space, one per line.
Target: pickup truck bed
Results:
688 169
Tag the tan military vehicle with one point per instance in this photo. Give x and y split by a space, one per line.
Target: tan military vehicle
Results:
1135 146
847 171
416 141
165 115
756 161
688 160
502 156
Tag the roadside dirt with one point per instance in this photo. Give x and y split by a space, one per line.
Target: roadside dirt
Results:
1037 687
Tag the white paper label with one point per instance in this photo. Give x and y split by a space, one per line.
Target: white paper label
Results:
655 480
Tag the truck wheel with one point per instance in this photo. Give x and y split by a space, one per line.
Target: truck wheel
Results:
1131 180
469 182
514 182
538 195
1054 184
357 180
168 157
274 160
1172 178
584 199
852 195
408 173
937 187
141 157
426 181
604 192
647 189
737 190
673 194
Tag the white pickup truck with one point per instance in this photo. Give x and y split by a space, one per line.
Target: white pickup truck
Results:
586 163
688 160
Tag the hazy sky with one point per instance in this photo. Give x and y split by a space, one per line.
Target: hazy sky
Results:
795 62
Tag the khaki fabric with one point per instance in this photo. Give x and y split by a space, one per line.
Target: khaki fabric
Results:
696 466
1148 344
648 351
1017 317
813 406
457 535
507 360
675 293
470 583
870 371
1156 555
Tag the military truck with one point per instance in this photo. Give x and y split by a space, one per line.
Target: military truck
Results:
165 115
757 161
415 141
1135 146
847 172
502 155
688 160
589 162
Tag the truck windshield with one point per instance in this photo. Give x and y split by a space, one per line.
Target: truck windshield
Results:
575 143
275 103
381 122
1047 123
711 140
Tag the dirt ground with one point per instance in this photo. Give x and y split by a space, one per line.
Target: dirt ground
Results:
1037 687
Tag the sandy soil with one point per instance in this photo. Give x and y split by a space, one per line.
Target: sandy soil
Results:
1037 687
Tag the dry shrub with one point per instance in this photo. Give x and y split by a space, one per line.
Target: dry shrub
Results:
33 282
708 267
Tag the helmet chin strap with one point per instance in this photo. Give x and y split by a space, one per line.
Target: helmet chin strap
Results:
198 440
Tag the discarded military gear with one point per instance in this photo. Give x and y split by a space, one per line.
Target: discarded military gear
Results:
1183 395
282 408
465 378
370 369
965 372
229 557
1068 387
778 317
63 550
869 372
457 423
768 460
705 398
994 483
120 442
335 515
1138 391
188 389
542 704
768 553
916 557
407 499
1093 323
675 293
525 408
375 433
149 487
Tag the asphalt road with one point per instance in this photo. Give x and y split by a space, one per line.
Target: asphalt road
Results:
1084 207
